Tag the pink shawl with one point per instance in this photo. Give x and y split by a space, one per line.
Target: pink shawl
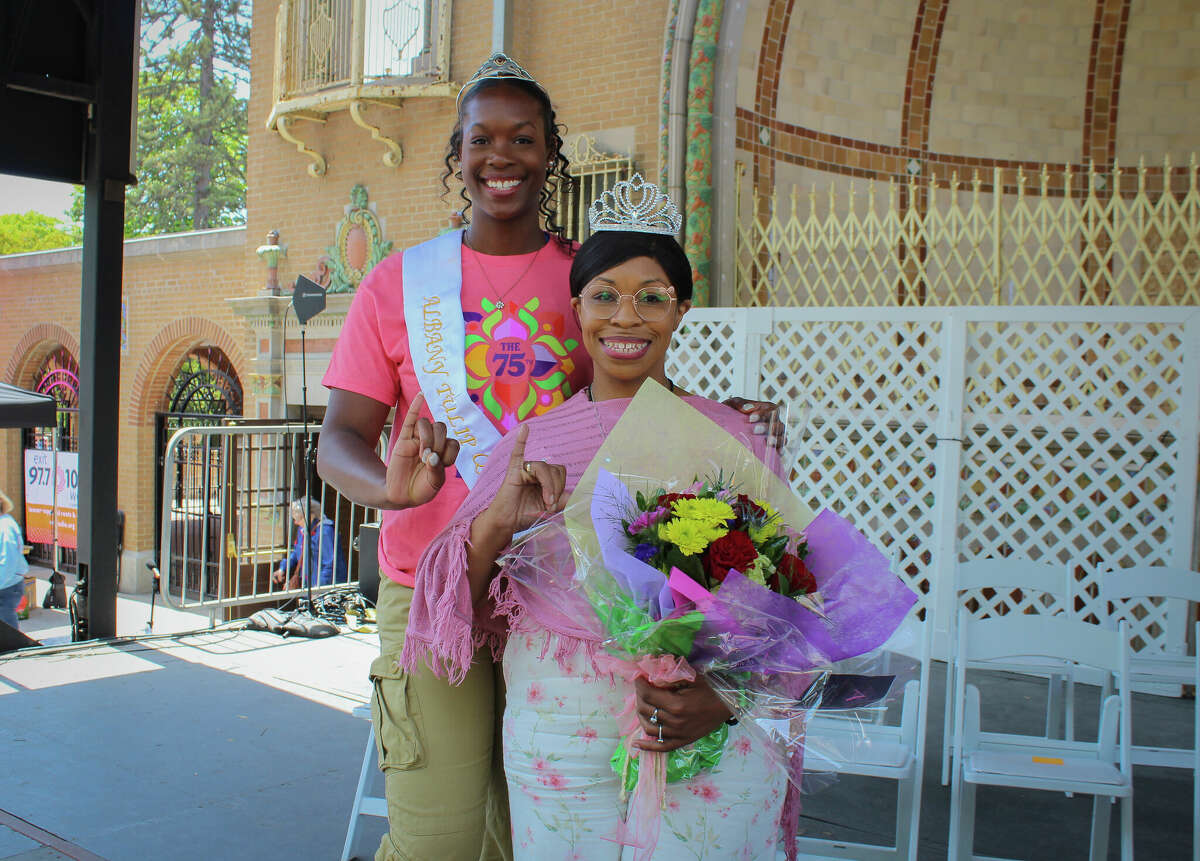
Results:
444 628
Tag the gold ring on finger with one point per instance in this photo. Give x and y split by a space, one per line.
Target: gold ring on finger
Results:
527 466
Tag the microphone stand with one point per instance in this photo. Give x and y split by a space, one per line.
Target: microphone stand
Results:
308 300
309 469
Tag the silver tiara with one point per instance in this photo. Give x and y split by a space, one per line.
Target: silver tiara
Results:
498 67
637 206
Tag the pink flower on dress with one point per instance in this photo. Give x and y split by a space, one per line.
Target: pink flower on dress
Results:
587 733
742 746
535 694
547 776
560 702
673 804
705 789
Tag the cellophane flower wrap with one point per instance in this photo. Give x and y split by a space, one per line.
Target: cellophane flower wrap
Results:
687 554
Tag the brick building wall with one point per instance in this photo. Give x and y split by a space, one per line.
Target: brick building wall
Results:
174 291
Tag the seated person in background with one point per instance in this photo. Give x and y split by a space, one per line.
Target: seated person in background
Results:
324 552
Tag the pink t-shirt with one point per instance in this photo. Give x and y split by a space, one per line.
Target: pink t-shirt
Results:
522 360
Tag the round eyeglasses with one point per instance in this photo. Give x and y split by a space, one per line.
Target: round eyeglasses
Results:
652 304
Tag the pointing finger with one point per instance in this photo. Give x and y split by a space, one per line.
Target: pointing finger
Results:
410 417
517 459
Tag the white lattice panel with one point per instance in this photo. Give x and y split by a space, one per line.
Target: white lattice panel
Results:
863 432
862 406
1071 447
708 355
1058 434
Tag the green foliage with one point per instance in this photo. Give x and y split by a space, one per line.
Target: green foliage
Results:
192 123
33 231
191 158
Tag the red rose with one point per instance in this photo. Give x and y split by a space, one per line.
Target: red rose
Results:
667 498
732 550
794 577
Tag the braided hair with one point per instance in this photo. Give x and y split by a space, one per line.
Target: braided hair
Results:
557 174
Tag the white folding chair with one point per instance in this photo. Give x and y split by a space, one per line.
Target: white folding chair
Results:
1169 665
1102 768
365 804
1046 589
846 745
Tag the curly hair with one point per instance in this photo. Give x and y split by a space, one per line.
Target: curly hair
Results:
558 173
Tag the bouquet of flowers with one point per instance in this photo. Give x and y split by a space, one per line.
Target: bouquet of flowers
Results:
711 528
697 557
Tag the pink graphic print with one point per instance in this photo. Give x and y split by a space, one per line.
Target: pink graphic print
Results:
518 362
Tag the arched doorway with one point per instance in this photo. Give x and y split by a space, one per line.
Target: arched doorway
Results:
57 376
204 390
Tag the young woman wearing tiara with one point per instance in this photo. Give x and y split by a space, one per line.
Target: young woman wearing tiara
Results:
486 340
561 718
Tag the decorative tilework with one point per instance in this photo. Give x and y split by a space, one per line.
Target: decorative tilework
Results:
697 232
664 109
868 160
766 89
1104 81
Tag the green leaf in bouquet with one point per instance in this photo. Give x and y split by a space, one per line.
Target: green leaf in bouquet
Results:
683 763
669 636
773 548
689 565
641 502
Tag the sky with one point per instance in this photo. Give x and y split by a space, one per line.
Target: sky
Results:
18 194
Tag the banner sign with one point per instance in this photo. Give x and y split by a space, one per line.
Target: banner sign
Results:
40 496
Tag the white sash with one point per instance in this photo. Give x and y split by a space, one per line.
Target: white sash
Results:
437 343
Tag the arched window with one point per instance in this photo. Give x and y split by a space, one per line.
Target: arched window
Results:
204 390
57 376
204 384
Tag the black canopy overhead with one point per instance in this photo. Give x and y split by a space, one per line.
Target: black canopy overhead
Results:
22 409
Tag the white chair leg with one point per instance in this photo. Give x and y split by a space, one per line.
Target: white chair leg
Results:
955 819
1127 829
351 849
947 723
1101 815
904 814
966 833
1196 781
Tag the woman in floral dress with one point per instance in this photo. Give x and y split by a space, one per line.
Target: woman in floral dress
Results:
564 707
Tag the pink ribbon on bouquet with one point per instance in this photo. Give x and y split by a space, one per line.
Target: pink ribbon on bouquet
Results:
644 816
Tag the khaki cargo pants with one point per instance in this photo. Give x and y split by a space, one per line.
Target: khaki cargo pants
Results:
439 749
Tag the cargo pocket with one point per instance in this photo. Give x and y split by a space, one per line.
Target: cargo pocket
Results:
394 713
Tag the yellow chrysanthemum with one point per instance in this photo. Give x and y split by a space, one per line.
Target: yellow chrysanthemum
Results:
770 527
690 536
711 511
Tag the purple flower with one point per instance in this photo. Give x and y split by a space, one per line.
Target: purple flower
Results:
645 552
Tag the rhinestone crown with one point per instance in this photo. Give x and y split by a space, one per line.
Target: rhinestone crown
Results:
637 206
498 67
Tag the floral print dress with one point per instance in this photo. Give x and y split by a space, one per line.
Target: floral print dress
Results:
560 731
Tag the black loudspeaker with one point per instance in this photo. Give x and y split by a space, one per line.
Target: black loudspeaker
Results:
368 561
11 639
